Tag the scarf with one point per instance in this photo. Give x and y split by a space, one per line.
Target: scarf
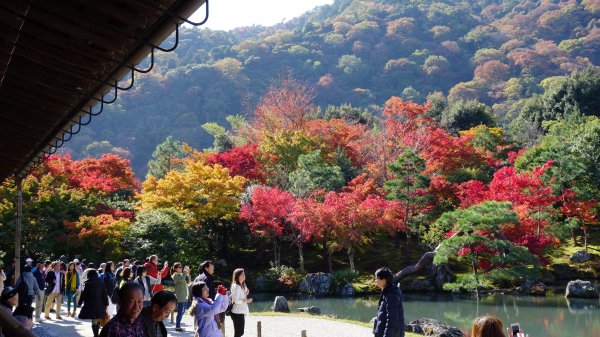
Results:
72 280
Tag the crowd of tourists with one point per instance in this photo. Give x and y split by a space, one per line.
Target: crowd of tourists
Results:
127 299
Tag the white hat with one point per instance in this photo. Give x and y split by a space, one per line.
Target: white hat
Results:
29 260
76 260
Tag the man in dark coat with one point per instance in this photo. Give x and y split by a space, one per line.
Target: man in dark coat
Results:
390 314
161 306
94 299
207 269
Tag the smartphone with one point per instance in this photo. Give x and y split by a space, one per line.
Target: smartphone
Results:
515 328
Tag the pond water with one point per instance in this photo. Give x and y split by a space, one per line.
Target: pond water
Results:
550 316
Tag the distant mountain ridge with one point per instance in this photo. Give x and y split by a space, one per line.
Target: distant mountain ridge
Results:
357 52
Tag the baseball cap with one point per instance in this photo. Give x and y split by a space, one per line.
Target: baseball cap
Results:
76 260
29 260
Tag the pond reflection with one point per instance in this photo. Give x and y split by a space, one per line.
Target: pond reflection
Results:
551 316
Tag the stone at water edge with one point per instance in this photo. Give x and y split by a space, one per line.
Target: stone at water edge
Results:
581 289
311 310
316 284
580 257
346 290
280 305
533 288
433 327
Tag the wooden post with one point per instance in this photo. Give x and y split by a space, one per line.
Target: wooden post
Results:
303 333
18 229
258 329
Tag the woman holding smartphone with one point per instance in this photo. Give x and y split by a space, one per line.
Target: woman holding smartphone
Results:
181 278
240 300
489 326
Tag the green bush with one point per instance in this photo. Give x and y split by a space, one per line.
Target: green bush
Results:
341 277
283 278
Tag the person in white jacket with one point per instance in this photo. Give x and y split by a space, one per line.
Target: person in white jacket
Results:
240 300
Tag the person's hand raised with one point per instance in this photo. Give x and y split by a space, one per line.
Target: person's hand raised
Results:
222 290
519 334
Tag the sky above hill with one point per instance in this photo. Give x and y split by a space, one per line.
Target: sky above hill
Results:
229 14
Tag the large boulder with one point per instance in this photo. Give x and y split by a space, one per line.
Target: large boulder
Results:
280 304
310 310
317 284
580 257
532 288
581 289
433 327
346 290
442 275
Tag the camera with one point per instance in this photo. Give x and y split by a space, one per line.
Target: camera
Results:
515 328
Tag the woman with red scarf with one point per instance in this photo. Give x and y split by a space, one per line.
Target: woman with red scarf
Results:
152 269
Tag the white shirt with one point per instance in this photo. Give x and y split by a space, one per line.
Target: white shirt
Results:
238 298
57 284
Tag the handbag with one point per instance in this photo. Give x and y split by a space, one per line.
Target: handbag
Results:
103 321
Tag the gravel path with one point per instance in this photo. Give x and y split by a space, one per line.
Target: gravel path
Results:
272 326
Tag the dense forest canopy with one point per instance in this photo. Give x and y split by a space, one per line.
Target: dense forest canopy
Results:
501 54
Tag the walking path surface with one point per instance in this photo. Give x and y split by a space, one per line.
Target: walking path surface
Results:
272 326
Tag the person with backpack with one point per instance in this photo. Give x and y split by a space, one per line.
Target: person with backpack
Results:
152 270
147 282
27 287
55 280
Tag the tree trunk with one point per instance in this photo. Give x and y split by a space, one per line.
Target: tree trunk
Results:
351 257
474 266
276 256
585 240
330 261
301 256
574 237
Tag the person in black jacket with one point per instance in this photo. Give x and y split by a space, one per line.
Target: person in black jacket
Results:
390 314
161 306
207 269
94 299
38 274
55 287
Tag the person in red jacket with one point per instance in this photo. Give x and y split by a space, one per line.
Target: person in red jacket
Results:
152 269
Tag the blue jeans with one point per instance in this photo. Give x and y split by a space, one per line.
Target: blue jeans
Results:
181 306
71 297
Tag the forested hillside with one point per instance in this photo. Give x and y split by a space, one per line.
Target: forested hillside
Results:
508 56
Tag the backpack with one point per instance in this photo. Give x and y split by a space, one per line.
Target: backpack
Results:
22 290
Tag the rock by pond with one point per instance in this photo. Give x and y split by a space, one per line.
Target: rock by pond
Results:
581 289
317 284
580 257
532 288
346 290
433 327
311 310
280 304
